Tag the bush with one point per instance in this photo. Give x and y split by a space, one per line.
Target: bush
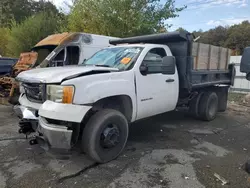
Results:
25 35
5 33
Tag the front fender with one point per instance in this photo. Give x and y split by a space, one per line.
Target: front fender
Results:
102 89
90 89
63 112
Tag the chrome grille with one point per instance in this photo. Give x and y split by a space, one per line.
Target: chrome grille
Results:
34 92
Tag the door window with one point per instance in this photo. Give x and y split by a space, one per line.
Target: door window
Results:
153 60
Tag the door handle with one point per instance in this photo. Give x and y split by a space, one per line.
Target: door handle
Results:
170 80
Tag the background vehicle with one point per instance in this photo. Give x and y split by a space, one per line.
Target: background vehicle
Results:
55 50
68 48
140 77
6 64
6 68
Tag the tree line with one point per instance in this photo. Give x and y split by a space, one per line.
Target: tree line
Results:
25 22
236 37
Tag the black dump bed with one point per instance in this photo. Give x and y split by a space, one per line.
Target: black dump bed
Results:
199 65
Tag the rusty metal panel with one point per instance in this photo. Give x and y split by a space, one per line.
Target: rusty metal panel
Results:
55 39
7 83
5 86
25 62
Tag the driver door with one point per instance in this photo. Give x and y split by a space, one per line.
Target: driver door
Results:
156 92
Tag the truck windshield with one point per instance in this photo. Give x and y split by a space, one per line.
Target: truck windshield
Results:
118 57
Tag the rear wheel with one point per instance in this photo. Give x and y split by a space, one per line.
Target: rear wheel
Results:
208 106
194 105
105 135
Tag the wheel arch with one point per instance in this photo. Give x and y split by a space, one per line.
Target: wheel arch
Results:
122 103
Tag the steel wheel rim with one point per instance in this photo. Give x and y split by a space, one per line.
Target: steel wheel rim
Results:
109 137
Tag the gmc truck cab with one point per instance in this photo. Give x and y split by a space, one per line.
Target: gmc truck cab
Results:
94 103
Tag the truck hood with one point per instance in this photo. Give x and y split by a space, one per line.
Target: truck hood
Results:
58 74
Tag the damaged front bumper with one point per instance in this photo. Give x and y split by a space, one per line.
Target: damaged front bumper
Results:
56 136
48 135
55 125
25 112
28 119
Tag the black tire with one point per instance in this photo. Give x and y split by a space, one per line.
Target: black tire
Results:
93 138
223 97
208 106
194 106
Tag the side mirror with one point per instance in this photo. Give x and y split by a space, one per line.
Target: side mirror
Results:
168 65
144 69
245 61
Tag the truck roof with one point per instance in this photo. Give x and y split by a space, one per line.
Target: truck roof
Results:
60 38
55 39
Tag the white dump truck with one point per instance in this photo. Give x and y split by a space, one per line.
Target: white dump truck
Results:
94 103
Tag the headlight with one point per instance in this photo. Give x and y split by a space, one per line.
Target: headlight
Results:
60 94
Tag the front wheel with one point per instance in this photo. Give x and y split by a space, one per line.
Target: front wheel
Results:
105 135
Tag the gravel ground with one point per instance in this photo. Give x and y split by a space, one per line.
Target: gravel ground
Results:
169 150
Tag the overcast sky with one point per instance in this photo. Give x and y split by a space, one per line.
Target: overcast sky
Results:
204 14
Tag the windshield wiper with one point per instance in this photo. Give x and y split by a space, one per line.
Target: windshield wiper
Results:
102 65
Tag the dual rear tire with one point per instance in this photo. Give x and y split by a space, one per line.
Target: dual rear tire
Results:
204 106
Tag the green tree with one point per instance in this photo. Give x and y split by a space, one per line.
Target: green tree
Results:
19 10
25 35
238 37
216 36
181 29
121 18
5 33
6 13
